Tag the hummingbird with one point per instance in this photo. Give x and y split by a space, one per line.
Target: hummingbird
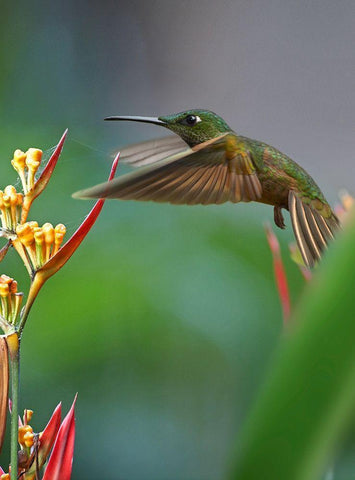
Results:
206 162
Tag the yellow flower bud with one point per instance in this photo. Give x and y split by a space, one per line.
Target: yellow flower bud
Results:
5 279
59 232
10 202
27 415
25 234
7 201
19 164
60 228
39 236
28 439
33 158
48 231
4 289
19 160
10 300
5 476
10 190
22 432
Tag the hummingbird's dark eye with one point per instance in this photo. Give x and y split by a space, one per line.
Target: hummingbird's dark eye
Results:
190 120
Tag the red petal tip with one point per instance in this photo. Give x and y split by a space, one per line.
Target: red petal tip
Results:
114 166
61 460
41 183
51 429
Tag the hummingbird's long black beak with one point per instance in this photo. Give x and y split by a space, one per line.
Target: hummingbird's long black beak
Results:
154 120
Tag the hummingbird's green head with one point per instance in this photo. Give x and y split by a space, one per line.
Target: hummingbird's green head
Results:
193 126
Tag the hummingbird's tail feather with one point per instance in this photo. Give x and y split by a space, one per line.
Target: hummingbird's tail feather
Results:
312 230
152 151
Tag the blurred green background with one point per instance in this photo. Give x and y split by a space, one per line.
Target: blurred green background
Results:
166 317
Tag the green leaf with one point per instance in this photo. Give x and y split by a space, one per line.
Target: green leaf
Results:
308 397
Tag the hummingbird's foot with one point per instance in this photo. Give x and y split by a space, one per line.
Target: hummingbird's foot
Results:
278 217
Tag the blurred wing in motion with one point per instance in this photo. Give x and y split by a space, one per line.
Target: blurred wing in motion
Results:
152 151
205 175
313 231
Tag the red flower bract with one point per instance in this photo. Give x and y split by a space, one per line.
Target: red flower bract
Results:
61 460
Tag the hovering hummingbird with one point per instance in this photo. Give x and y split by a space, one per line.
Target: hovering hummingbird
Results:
208 163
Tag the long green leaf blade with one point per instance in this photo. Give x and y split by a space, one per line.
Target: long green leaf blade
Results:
309 395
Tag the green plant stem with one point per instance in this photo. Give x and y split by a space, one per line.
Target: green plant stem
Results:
14 357
36 285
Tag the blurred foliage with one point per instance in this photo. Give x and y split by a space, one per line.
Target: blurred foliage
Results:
307 402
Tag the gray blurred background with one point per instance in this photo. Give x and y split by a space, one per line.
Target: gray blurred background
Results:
165 319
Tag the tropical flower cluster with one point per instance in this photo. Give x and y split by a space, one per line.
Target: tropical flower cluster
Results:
54 444
43 251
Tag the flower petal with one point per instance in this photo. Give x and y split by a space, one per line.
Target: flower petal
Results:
4 387
61 460
280 275
43 180
66 251
46 439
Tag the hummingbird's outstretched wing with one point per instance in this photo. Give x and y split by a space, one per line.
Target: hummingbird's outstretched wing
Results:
312 230
152 151
215 171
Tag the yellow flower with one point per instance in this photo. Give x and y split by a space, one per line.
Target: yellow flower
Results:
10 300
38 244
10 208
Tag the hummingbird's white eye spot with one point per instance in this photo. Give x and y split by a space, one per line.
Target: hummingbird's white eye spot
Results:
191 120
